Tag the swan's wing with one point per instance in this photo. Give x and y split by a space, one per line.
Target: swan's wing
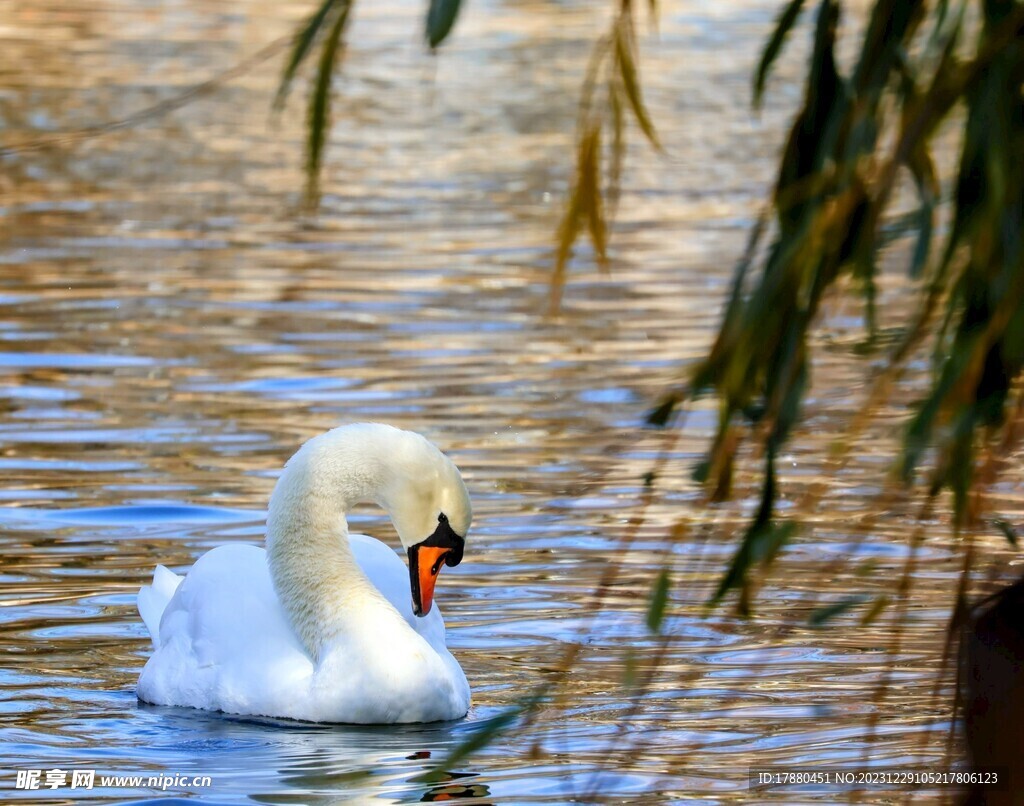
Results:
390 576
225 643
153 599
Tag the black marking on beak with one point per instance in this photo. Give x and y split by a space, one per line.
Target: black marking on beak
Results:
443 537
414 579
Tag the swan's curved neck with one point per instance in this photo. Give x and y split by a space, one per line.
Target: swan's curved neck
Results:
315 573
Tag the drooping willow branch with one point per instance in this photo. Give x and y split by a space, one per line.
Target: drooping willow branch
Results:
327 27
613 75
834 188
830 218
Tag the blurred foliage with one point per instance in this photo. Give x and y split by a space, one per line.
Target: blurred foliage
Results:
659 600
440 18
326 28
327 25
610 88
853 137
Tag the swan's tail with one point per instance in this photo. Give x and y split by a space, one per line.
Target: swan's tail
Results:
153 599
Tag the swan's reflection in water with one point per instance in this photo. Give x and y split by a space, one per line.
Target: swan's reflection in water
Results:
276 761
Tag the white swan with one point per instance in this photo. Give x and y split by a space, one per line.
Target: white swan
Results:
321 626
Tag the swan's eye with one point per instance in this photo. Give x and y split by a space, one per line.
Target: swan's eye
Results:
435 569
442 518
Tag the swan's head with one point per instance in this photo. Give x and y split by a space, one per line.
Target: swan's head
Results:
419 486
430 508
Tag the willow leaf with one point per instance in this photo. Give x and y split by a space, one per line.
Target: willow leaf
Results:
567 232
771 51
590 193
925 225
630 82
823 615
320 104
876 609
659 599
1008 531
303 42
577 207
484 735
760 543
660 414
923 169
440 18
618 151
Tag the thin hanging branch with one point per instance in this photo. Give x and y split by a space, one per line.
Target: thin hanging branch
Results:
834 187
593 200
158 110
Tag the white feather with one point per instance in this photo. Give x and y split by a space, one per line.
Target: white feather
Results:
319 626
153 599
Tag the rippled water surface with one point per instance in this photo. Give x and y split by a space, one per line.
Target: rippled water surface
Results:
173 326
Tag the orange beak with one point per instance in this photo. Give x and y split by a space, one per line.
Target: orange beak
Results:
424 565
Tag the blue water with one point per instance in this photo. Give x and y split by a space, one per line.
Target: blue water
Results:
175 325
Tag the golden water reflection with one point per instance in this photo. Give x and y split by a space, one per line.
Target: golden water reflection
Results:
172 327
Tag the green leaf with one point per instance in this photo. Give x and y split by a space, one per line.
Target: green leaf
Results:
440 18
796 377
660 414
760 543
926 179
925 218
876 609
303 42
480 738
891 26
771 51
1008 531
483 736
701 471
320 103
824 614
659 599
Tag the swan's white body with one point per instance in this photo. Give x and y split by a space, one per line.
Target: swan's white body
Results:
320 626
